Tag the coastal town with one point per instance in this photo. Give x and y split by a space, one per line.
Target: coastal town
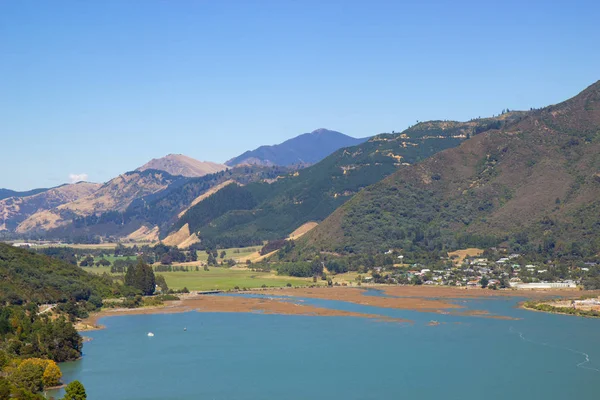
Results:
494 272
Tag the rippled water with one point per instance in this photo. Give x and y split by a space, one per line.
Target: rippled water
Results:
260 356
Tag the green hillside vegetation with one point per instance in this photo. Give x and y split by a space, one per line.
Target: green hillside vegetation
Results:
273 210
32 339
29 277
533 185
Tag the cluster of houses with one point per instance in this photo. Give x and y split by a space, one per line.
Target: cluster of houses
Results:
504 271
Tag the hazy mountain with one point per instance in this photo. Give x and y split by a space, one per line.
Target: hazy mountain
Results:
243 215
308 148
5 193
147 215
534 184
178 164
14 210
114 196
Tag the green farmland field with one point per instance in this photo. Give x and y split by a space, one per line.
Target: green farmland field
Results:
221 279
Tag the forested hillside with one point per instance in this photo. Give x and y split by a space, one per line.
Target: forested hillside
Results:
534 185
30 277
32 339
274 210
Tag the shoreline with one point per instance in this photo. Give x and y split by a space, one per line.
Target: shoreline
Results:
231 304
552 308
431 299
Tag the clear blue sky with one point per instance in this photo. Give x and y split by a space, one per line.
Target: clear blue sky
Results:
100 87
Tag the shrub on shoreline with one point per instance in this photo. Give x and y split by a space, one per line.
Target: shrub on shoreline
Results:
562 310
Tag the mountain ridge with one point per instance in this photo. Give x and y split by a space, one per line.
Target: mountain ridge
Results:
112 196
15 210
532 183
5 193
179 164
304 149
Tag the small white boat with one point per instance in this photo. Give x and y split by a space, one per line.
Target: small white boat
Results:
150 334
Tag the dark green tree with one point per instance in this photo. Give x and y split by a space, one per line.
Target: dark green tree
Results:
4 389
130 276
160 281
75 391
29 377
484 282
141 277
211 260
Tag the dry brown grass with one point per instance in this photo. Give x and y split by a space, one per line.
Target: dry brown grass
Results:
144 234
175 238
302 230
462 254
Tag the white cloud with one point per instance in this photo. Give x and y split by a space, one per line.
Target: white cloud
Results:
78 177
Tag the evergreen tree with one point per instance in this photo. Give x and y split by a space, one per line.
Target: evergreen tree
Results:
141 277
160 281
149 282
130 276
75 391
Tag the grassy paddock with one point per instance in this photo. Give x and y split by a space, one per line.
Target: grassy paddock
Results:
221 279
98 270
346 277
227 278
239 254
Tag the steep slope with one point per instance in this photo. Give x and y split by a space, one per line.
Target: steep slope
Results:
26 276
178 164
5 193
534 184
149 215
114 196
307 148
14 210
273 211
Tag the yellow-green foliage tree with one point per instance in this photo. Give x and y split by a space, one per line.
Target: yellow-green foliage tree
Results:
33 374
52 374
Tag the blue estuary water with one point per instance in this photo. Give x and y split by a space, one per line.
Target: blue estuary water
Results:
259 356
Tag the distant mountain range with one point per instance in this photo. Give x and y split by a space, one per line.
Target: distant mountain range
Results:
15 210
178 164
306 149
533 185
61 209
112 197
4 193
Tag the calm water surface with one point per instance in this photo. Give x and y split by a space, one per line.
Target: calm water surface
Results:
258 356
